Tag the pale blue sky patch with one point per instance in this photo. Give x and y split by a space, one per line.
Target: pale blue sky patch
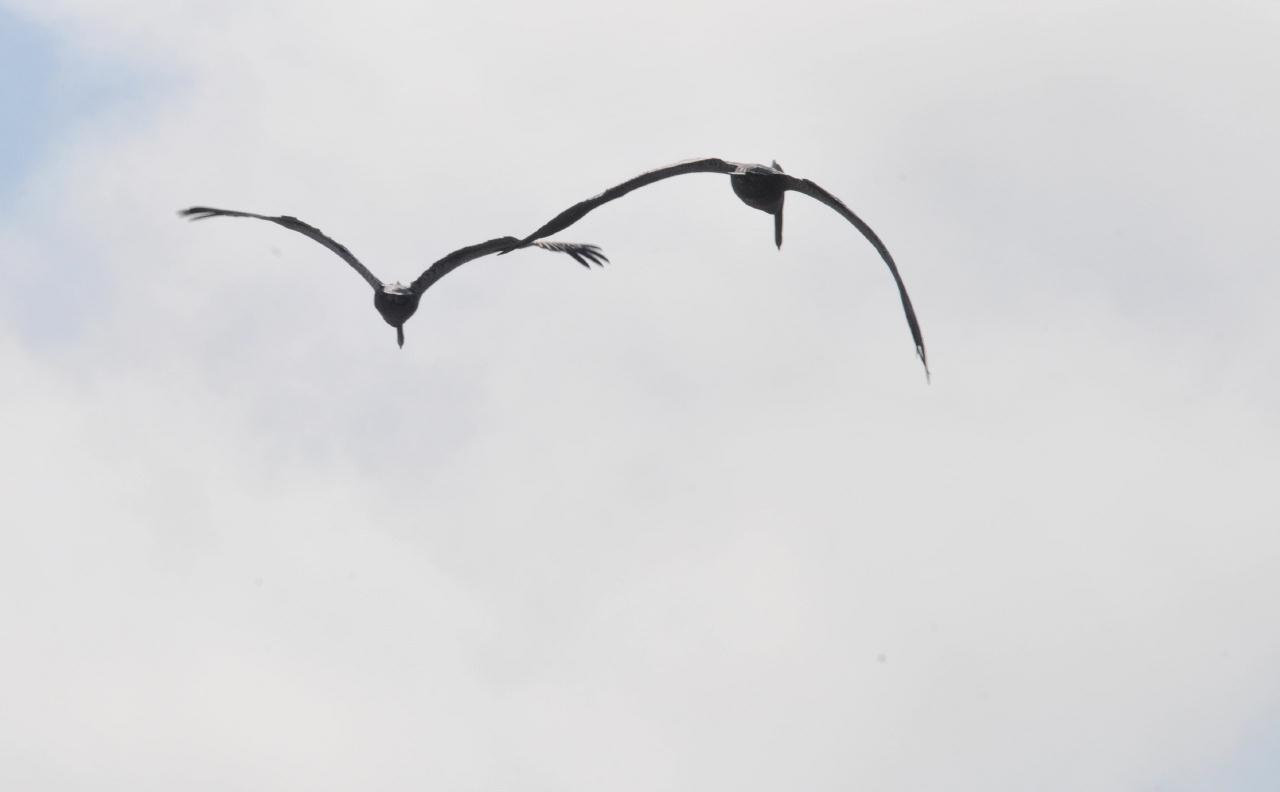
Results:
47 90
1252 766
52 92
27 66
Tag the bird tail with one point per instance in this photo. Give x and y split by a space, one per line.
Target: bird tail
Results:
400 335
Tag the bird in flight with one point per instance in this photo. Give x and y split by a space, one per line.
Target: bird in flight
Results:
761 187
396 302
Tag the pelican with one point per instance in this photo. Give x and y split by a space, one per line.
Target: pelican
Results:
761 187
397 301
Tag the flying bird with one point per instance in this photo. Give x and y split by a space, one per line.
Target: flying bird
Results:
761 187
396 302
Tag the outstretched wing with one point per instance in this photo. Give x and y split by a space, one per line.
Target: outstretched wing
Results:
814 191
576 212
586 255
294 224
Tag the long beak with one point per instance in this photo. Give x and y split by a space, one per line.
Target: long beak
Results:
400 336
777 227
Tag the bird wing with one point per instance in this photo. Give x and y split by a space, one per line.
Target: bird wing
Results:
294 224
814 191
586 255
576 212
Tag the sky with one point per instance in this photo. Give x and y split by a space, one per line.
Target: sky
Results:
692 521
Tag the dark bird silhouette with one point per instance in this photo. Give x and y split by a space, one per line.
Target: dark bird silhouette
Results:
760 187
396 302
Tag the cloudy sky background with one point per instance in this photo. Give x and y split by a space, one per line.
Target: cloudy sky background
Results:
691 522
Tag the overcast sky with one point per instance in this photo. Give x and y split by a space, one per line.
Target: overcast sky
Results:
694 521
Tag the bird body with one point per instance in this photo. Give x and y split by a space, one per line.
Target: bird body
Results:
759 187
397 302
762 187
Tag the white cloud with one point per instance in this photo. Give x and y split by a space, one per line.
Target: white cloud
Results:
655 526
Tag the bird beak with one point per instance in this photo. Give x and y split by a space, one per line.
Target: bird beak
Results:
777 228
400 336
